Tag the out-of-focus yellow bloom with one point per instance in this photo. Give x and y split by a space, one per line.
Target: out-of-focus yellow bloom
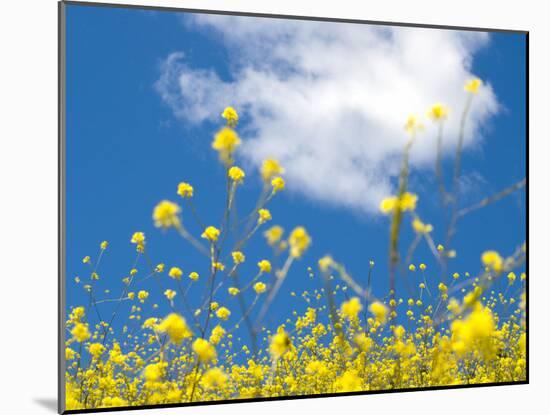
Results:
211 233
225 143
80 332
204 350
422 267
138 238
154 371
166 214
175 273
193 276
218 265
264 215
406 202
474 332
350 309
231 116
223 313
379 311
236 174
86 259
70 354
511 278
493 260
214 378
233 290
142 295
278 184
185 190
159 268
265 266
412 126
170 294
175 327
96 350
238 257
274 234
325 263
438 112
217 334
421 227
280 343
472 86
259 287
271 168
299 241
103 245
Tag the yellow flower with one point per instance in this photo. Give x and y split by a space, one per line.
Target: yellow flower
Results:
170 294
194 276
166 214
70 354
211 233
236 174
278 184
214 378
223 313
379 310
274 234
225 143
238 257
154 371
473 334
218 266
406 202
264 215
511 278
159 268
96 350
280 343
103 245
350 309
175 273
271 168
412 126
363 342
412 268
438 112
204 350
325 263
142 295
230 116
473 85
493 260
176 327
185 190
217 334
349 382
265 266
259 287
233 290
86 259
421 227
299 241
80 332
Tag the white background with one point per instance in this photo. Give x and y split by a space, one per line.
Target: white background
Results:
28 207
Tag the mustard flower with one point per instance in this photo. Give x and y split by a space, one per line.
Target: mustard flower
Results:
233 290
142 295
350 309
438 112
175 273
271 168
280 343
274 234
225 143
472 86
223 313
175 327
204 350
236 174
193 276
185 190
103 245
259 287
299 241
493 260
325 263
238 257
231 116
211 234
166 214
170 294
265 266
264 215
278 184
80 332
379 310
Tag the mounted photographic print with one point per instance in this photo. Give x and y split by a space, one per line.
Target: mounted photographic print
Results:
258 207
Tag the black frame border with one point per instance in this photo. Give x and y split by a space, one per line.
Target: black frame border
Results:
62 213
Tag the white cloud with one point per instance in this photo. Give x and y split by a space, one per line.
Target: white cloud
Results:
329 100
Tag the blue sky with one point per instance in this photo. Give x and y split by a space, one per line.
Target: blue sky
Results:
127 150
